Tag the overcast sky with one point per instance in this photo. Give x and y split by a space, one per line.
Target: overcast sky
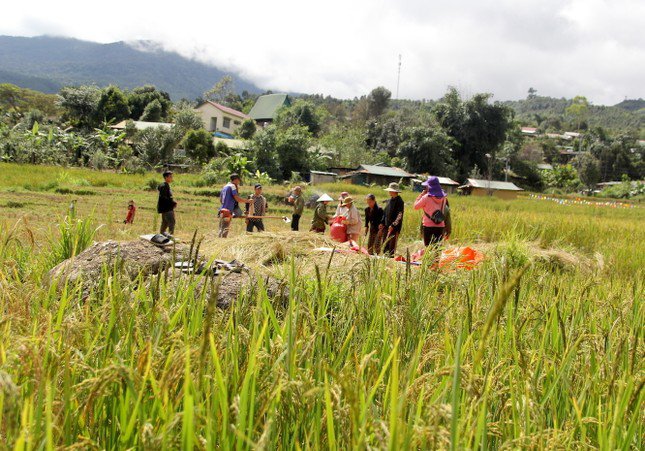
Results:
345 48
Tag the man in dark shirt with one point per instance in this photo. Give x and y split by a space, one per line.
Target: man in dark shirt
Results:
392 219
166 205
373 220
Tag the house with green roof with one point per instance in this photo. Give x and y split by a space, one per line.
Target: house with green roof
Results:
266 107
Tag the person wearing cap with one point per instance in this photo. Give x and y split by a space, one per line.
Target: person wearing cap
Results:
257 207
321 218
230 200
436 221
352 218
392 222
166 205
373 218
341 198
298 207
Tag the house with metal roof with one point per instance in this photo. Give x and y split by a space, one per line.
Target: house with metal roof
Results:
503 190
369 174
266 107
219 118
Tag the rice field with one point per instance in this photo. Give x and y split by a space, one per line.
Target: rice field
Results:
540 347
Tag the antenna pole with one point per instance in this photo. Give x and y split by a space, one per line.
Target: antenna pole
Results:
398 78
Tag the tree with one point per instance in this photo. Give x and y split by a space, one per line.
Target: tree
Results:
153 112
427 149
140 97
588 168
199 145
384 135
378 101
302 113
155 145
292 147
112 105
478 127
80 105
247 129
222 89
532 93
186 119
578 110
265 154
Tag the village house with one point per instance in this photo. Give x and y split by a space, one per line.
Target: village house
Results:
266 108
220 118
367 174
318 177
503 190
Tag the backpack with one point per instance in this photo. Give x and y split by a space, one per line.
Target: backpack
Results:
438 216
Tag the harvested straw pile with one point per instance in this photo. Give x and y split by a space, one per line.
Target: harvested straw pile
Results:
272 249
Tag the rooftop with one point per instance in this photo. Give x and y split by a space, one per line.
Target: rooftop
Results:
383 170
268 105
494 185
225 109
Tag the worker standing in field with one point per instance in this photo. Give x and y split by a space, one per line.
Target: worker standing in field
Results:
230 205
392 222
436 220
298 202
352 218
341 198
166 205
373 219
321 218
257 207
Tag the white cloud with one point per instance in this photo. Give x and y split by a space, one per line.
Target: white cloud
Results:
344 48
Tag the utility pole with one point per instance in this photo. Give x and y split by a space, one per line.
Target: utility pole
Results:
398 78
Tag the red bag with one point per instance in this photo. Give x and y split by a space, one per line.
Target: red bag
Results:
338 230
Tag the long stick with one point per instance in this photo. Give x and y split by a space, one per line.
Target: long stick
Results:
260 217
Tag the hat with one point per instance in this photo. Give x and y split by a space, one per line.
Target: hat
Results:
434 187
166 174
130 202
343 195
234 176
393 188
347 201
257 185
324 198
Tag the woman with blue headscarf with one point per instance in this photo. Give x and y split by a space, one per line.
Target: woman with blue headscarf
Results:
436 212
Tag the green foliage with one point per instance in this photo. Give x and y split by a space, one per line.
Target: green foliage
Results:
112 106
300 113
345 145
75 235
247 129
264 151
221 90
18 101
155 145
477 126
378 101
588 168
186 119
141 97
563 178
428 150
80 105
199 145
292 148
578 110
153 112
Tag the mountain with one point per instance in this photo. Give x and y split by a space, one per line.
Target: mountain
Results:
631 104
47 63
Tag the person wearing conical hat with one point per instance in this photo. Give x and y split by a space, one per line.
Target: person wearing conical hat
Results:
392 219
321 218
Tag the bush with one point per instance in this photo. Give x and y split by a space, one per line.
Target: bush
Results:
151 185
99 160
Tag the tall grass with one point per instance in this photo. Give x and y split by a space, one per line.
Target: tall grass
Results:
516 354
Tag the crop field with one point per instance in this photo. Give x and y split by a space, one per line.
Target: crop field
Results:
540 346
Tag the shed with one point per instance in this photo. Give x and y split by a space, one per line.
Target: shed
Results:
266 107
318 177
503 190
368 174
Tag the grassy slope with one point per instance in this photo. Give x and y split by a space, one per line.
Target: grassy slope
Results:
396 358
